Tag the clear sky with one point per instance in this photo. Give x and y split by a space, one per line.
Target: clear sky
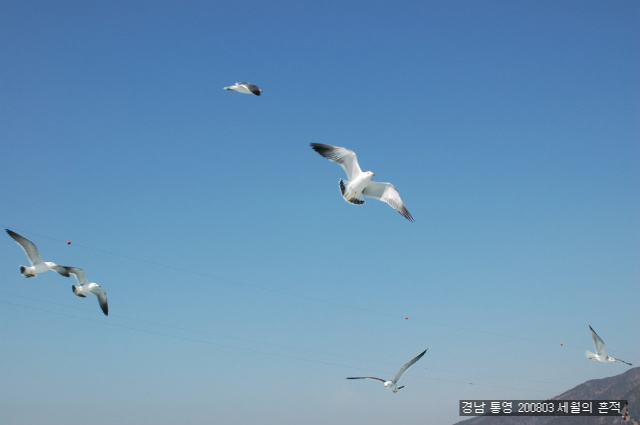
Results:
242 288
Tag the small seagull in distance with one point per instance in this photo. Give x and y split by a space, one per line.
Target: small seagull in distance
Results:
245 88
601 352
38 265
359 183
86 286
393 384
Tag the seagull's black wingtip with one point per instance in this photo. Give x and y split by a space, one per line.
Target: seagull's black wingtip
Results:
406 214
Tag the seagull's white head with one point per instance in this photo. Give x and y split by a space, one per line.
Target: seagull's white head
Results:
393 387
366 176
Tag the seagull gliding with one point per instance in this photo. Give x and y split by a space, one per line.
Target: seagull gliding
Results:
245 88
393 384
359 183
86 286
601 352
38 265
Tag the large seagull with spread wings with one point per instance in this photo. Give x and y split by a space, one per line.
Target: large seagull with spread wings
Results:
38 265
85 287
393 384
359 183
601 352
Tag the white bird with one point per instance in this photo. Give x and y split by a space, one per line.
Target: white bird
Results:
245 88
86 286
601 352
359 183
393 384
38 265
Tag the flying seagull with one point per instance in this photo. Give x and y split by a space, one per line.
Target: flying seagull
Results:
245 88
393 384
38 265
359 183
601 352
86 286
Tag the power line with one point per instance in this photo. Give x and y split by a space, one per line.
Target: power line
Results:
236 283
257 351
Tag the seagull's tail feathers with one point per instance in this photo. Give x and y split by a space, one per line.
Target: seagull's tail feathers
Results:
343 186
590 355
356 200
76 290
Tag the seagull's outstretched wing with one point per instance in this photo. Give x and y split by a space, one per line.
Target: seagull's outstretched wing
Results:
28 247
80 275
620 360
343 156
598 343
407 366
102 299
61 270
367 377
386 192
252 88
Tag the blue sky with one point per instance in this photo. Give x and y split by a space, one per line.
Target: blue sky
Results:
242 289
